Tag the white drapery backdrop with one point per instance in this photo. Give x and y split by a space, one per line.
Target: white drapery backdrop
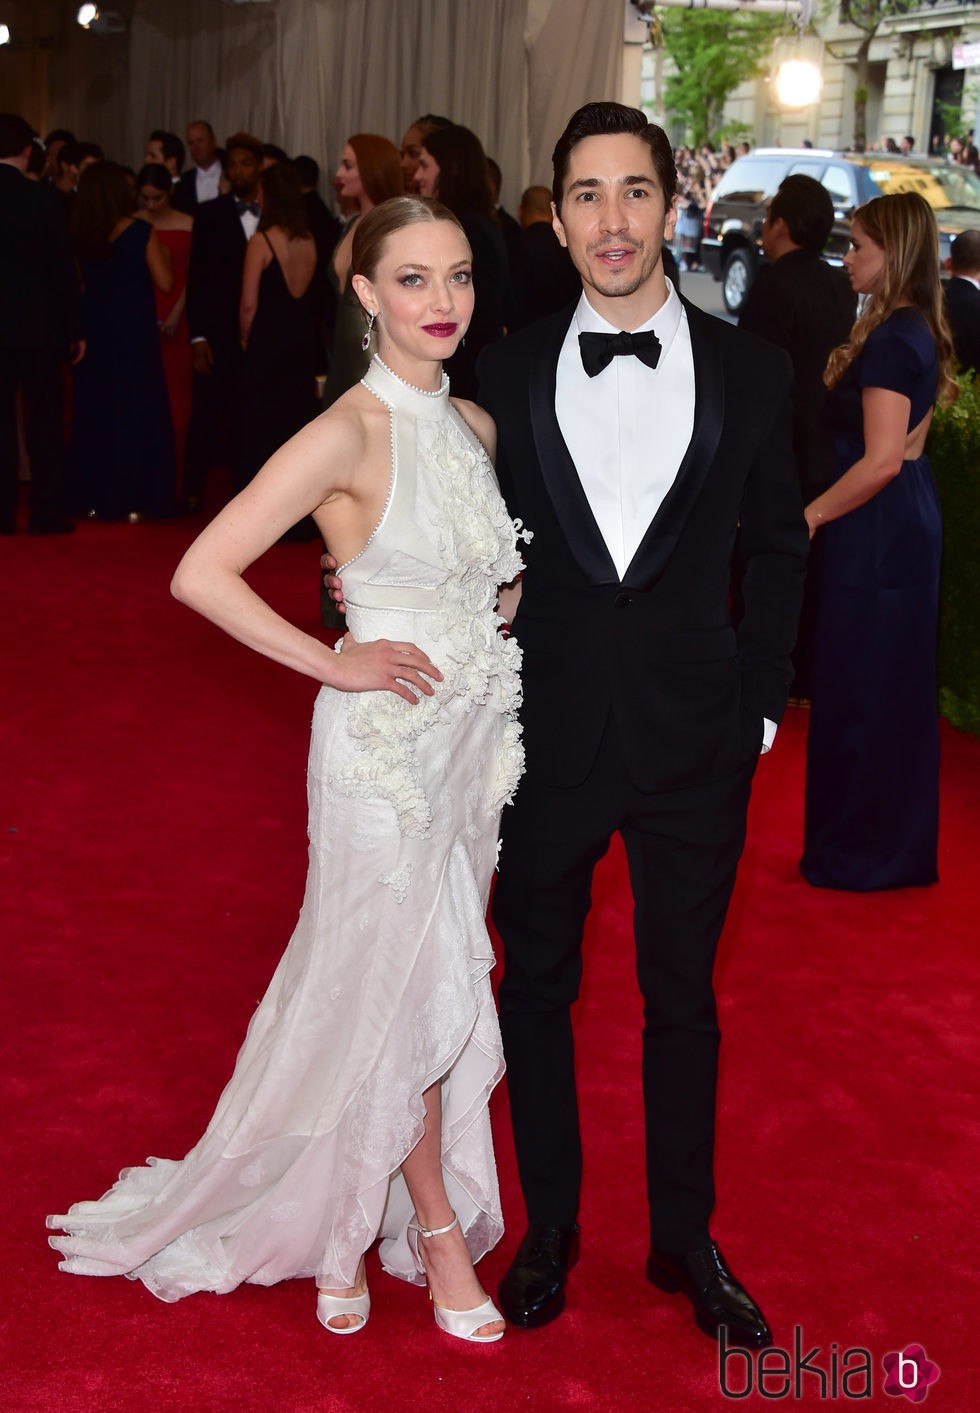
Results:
306 74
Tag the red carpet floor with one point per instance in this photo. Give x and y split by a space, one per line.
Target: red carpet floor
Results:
152 847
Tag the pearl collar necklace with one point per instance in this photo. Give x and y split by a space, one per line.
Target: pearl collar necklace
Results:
422 392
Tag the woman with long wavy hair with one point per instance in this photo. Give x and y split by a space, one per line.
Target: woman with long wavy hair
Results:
872 798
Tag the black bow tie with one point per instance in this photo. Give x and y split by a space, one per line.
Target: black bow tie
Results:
252 207
599 350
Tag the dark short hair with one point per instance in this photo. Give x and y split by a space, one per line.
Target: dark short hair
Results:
245 142
59 135
609 119
808 210
170 145
308 169
16 133
269 149
964 253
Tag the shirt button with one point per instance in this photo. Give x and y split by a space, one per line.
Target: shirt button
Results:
622 601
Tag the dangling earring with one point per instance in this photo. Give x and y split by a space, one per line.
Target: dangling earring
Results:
366 340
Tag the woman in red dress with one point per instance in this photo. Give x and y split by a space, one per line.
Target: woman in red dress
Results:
154 185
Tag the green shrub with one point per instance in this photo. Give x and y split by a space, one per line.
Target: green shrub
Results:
954 450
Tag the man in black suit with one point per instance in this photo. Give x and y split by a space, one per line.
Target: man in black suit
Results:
962 297
545 280
807 307
40 326
222 229
202 182
165 149
634 457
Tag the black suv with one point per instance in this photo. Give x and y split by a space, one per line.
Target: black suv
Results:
731 246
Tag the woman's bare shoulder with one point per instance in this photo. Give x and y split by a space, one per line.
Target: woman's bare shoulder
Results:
349 424
480 423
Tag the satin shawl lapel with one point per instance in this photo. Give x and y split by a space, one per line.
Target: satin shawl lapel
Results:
558 471
657 545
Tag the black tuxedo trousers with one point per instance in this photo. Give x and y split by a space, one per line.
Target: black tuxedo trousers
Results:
683 847
643 713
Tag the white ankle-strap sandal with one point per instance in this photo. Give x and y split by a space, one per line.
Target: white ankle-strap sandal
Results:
461 1323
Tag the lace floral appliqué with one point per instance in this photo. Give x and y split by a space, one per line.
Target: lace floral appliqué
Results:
478 546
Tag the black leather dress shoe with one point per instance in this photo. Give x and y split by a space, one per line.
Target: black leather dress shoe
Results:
718 1298
533 1290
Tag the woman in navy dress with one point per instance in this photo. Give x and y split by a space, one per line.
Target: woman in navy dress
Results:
121 457
872 790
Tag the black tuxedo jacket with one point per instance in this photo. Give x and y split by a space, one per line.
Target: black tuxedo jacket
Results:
963 312
656 649
40 302
214 275
184 195
806 307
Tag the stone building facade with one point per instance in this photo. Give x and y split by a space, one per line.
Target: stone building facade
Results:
914 84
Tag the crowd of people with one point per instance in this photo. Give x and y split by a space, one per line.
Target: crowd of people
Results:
358 1107
215 305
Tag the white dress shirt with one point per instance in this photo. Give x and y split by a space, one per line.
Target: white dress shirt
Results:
627 429
250 222
207 182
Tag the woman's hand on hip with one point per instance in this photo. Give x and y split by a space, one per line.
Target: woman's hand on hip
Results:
383 666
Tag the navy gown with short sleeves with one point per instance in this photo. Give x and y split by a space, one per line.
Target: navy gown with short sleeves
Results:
872 787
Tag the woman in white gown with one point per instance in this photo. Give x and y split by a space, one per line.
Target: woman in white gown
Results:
358 1104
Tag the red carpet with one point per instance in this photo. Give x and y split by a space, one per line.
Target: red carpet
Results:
152 845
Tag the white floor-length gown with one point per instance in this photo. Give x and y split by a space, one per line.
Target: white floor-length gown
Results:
384 987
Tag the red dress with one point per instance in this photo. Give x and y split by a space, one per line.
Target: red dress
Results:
175 347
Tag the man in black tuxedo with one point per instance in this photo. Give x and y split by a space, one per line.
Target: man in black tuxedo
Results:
807 307
202 182
165 149
40 326
634 457
962 298
222 229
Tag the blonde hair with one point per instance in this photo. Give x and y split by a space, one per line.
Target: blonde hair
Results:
904 227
